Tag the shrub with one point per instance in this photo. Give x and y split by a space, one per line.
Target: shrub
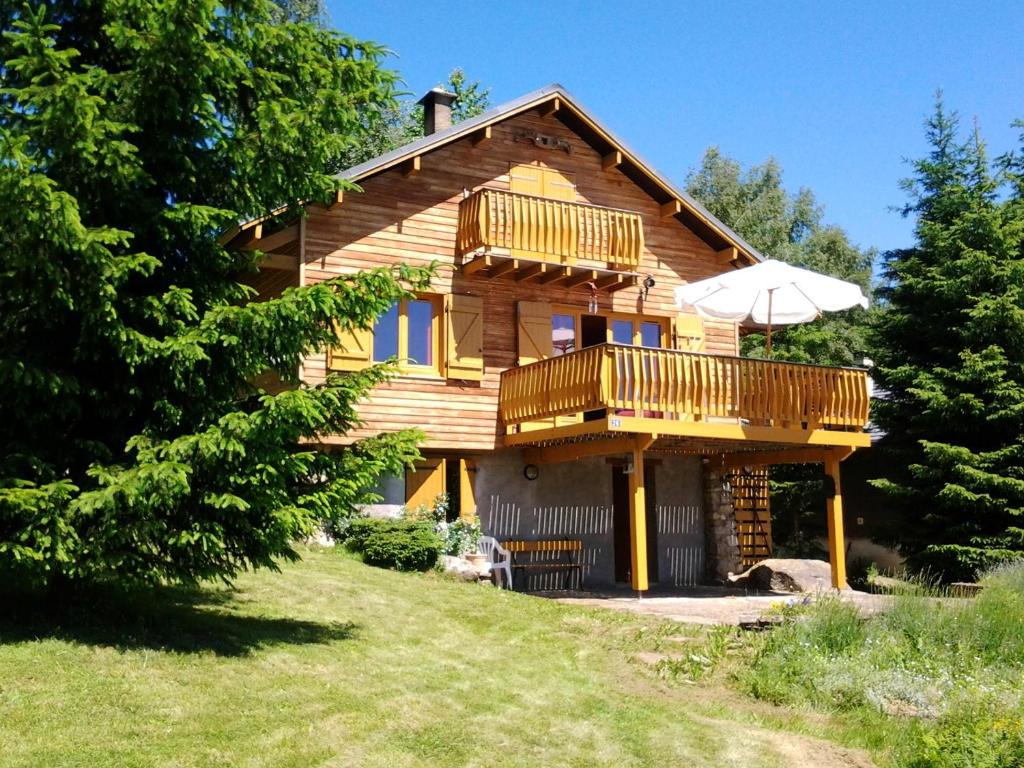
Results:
405 545
410 547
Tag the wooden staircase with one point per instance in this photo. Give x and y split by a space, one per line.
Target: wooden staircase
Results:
753 514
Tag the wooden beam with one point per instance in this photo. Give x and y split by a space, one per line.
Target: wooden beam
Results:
725 431
548 108
481 137
247 237
728 254
480 262
629 281
671 208
274 241
279 261
572 451
608 281
638 515
784 456
555 275
836 535
531 271
504 268
586 276
411 166
611 160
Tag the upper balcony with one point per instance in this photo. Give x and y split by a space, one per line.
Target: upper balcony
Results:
553 241
683 397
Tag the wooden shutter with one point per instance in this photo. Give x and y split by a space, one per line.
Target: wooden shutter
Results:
689 333
353 352
558 185
526 180
464 347
533 324
424 483
467 489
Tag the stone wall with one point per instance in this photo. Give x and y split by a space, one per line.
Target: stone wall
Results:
723 546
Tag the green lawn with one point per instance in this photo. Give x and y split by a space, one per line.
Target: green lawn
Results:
335 663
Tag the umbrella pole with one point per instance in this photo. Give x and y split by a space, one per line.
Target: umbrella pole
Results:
769 339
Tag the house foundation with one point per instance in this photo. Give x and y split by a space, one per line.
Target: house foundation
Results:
723 544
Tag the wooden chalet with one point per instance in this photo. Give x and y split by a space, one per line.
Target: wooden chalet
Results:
563 395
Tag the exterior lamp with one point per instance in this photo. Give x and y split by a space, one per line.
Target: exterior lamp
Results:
648 284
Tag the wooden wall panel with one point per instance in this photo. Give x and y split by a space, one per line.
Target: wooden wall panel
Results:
413 220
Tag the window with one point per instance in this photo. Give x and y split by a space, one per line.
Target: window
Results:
563 334
409 331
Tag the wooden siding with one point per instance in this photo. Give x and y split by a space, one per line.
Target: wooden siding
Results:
414 220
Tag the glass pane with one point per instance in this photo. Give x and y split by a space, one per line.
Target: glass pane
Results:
421 333
385 335
622 331
650 334
563 334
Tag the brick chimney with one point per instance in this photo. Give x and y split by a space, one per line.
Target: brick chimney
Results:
437 110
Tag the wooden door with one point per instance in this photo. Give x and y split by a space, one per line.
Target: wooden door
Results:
425 483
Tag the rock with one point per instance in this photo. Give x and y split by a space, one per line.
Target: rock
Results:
784 575
964 589
460 569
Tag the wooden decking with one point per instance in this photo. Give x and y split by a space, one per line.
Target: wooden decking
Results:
668 392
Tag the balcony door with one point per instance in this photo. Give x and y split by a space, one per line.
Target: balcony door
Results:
538 181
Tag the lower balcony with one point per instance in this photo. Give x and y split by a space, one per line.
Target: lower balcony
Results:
686 401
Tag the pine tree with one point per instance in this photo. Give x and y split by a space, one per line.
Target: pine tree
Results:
133 443
950 357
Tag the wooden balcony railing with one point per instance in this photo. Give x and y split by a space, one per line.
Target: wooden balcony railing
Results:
667 384
553 229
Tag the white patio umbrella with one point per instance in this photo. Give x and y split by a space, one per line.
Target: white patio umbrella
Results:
769 293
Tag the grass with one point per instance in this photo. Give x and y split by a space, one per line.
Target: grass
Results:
334 663
950 671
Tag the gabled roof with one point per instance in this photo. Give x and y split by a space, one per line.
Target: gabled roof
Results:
571 113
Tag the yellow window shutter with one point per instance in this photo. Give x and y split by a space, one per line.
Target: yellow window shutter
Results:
464 347
467 489
424 483
526 180
533 324
353 352
689 333
558 185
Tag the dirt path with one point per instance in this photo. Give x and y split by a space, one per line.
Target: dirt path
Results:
708 605
751 745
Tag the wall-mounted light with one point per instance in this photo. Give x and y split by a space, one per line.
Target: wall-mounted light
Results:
648 284
629 468
530 472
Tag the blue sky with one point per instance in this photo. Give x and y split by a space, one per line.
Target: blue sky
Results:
836 92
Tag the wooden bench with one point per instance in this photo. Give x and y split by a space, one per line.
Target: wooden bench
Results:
569 548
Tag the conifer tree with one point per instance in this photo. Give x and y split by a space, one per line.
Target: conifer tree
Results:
133 443
949 351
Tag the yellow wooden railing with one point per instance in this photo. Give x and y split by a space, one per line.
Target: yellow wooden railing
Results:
667 384
564 231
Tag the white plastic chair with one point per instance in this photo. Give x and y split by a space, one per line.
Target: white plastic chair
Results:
499 560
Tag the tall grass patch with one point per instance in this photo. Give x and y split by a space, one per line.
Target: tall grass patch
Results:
953 668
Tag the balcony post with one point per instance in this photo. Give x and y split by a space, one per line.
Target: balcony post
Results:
638 515
836 538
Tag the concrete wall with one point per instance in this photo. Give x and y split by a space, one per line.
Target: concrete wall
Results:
574 500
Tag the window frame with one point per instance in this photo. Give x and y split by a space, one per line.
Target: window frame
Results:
637 319
433 370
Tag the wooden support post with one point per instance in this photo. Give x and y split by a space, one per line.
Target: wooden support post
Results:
638 515
836 537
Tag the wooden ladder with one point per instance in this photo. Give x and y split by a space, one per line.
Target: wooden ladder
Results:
750 500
